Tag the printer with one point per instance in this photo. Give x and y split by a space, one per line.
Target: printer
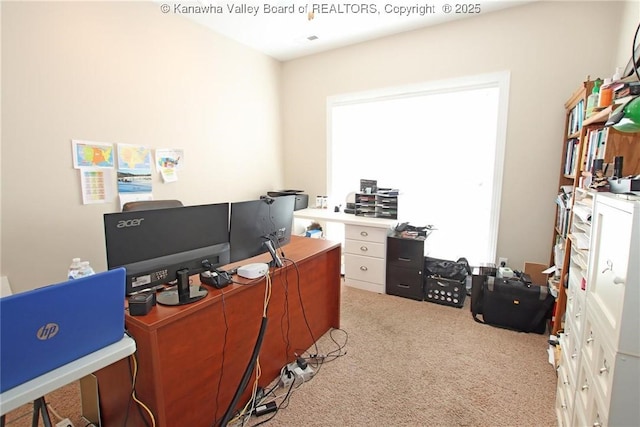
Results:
301 202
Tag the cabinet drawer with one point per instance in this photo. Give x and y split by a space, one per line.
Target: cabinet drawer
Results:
368 234
405 253
602 368
562 410
592 339
564 406
364 268
364 248
405 282
609 266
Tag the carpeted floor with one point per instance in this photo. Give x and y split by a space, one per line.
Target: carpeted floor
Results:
407 363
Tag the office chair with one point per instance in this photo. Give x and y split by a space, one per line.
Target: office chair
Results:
144 205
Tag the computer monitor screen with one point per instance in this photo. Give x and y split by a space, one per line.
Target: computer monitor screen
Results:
256 222
153 245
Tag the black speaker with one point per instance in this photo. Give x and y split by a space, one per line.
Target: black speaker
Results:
141 304
617 166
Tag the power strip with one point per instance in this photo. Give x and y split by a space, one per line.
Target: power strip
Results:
294 372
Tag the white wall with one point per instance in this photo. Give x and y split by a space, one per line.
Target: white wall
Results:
122 72
548 47
627 29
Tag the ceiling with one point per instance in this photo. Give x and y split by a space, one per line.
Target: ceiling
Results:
283 29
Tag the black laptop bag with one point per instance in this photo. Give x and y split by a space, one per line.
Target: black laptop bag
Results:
512 304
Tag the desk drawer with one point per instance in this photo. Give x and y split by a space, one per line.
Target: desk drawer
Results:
407 253
405 282
368 234
358 247
364 268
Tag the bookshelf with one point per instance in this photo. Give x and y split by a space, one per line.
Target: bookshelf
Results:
584 140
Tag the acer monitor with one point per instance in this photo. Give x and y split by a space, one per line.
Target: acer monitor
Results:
260 226
160 246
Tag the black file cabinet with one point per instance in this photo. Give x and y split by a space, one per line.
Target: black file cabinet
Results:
405 264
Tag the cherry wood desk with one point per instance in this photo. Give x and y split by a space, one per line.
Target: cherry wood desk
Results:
190 364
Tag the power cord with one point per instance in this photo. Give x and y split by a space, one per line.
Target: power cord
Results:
133 370
224 347
304 313
254 360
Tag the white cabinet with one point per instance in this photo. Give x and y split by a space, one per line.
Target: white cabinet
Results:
603 384
575 314
364 248
364 257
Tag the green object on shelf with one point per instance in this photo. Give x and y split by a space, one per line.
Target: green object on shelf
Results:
626 118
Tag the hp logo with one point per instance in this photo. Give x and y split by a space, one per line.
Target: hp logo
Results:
48 331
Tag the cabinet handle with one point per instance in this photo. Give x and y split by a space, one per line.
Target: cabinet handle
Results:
402 285
364 248
604 368
616 280
363 268
589 340
364 233
585 387
404 259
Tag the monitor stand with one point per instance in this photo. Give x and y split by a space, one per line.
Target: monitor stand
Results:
275 259
184 293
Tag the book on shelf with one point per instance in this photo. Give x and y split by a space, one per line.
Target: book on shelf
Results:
576 117
596 140
571 156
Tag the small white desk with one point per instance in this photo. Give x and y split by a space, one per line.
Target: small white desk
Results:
364 246
38 387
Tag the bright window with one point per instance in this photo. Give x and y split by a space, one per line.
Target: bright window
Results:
441 144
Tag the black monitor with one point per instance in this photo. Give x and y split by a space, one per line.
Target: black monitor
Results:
159 246
259 226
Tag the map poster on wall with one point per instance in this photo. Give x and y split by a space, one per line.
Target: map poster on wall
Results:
87 154
134 169
169 161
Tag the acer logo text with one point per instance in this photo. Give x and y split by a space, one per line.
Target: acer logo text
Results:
130 223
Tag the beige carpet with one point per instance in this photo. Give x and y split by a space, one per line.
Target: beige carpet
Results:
410 363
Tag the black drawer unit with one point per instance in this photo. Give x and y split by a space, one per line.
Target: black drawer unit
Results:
405 263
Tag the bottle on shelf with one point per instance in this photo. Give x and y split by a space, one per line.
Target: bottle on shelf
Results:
592 100
617 75
606 94
79 268
74 269
85 269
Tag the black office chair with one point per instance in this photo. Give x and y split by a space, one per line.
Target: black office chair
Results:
145 205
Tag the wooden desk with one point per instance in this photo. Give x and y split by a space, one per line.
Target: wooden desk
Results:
190 363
